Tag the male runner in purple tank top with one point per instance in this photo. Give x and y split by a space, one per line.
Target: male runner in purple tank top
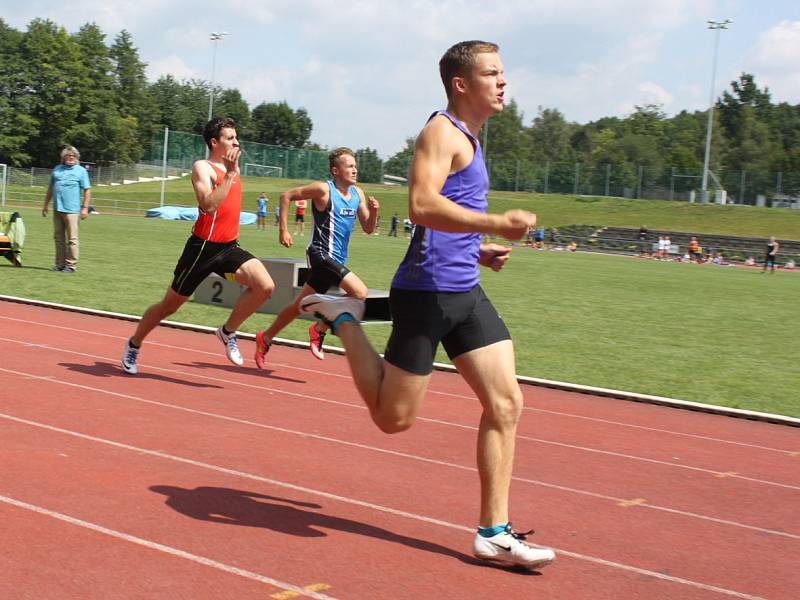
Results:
436 296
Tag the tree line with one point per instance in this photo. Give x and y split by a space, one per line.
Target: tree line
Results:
58 88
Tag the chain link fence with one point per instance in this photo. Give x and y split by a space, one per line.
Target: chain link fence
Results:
760 188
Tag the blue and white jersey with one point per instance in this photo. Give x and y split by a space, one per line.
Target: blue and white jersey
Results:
333 226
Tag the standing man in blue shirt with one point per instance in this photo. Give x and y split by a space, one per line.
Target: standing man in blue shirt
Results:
68 182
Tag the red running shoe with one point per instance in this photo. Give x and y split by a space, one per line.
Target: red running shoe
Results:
316 338
261 350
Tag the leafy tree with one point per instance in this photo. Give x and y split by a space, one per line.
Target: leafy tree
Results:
131 87
50 79
277 124
370 166
549 136
399 164
16 124
100 132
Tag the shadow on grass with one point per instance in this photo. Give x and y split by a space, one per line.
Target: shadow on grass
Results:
289 517
104 369
234 369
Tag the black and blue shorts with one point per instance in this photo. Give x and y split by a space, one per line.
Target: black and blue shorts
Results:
324 273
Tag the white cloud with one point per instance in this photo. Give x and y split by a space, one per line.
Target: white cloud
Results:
775 59
172 65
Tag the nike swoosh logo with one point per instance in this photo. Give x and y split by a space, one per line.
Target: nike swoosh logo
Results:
506 548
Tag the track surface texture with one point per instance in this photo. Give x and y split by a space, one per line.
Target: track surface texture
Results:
199 479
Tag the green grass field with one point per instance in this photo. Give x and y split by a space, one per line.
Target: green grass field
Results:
726 336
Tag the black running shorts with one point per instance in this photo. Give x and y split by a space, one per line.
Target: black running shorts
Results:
324 273
461 321
200 258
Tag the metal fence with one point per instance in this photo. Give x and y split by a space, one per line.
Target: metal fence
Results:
626 181
774 189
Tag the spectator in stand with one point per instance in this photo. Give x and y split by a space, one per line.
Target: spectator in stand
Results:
68 182
790 264
538 237
667 247
749 262
659 253
773 247
643 249
695 251
572 246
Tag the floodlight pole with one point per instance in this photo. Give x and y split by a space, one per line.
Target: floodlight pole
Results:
716 26
215 36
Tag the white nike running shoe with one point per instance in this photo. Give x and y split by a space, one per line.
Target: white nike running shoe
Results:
509 547
231 347
129 357
329 308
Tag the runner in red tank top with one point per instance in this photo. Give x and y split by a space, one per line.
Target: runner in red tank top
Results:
213 246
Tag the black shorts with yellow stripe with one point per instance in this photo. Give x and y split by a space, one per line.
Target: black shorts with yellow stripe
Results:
200 258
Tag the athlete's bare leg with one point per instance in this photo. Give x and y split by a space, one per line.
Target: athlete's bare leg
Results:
157 313
392 395
490 372
259 286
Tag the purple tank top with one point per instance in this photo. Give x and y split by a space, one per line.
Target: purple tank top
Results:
439 261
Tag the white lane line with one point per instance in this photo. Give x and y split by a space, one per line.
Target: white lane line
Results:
433 391
165 549
404 455
364 504
281 391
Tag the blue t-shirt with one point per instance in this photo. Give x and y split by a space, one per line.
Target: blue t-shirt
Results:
262 207
68 183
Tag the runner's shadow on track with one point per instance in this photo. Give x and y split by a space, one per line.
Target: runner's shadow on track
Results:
282 515
234 369
104 369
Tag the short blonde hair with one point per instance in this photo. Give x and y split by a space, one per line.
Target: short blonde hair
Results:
460 58
336 154
70 150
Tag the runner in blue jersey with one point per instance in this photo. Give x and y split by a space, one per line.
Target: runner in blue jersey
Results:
335 204
436 296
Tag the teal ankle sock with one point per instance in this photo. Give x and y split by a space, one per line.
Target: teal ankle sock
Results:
341 319
488 532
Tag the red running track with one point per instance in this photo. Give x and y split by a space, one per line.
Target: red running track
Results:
197 479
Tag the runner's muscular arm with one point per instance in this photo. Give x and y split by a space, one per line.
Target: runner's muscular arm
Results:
203 176
317 192
367 211
435 152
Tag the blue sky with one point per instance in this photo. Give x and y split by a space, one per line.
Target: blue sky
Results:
367 71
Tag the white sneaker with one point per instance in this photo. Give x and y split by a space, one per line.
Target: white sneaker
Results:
329 308
129 358
508 547
231 347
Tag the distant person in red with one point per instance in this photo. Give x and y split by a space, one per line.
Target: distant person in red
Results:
213 246
300 216
694 250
